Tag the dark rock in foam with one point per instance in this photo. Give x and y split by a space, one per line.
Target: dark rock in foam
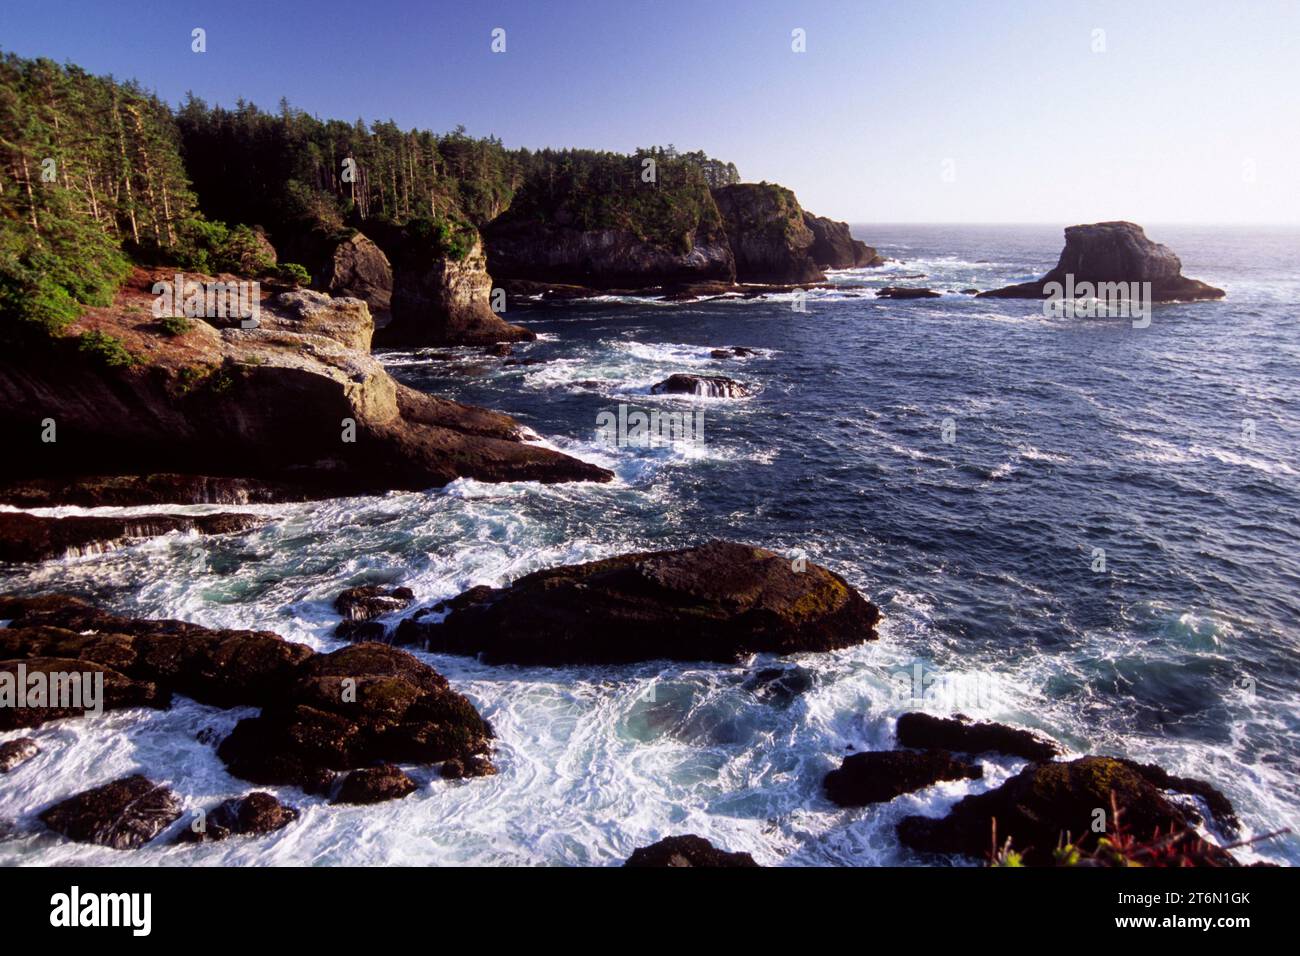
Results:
687 851
880 776
717 601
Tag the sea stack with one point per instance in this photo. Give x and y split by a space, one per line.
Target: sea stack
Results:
1114 252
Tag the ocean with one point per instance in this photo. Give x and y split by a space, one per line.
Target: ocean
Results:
1073 524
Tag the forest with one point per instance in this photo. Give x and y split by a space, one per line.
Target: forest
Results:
96 174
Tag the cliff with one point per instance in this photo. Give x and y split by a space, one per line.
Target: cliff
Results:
271 404
834 246
767 234
594 220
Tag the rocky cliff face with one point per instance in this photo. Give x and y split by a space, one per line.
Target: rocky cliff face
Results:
1115 252
767 234
834 246
297 401
444 301
358 269
604 258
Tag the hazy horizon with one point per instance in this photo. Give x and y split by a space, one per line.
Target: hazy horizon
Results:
932 114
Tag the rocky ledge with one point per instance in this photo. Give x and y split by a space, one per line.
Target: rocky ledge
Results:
959 733
715 602
1043 803
295 402
26 537
321 713
1114 252
362 705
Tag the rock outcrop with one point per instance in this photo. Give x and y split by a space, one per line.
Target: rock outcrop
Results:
124 814
714 602
964 736
880 776
256 814
834 246
321 713
687 850
224 668
1045 801
358 269
703 386
287 403
362 705
440 300
1114 252
769 239
26 537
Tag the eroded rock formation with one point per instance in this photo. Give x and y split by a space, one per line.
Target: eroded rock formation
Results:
1114 252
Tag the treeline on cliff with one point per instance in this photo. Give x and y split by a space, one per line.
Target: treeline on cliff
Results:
97 173
91 179
91 171
304 178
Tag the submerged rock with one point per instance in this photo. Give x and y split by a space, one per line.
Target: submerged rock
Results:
704 386
736 351
255 814
1045 801
375 785
26 537
906 292
687 850
360 705
959 733
880 776
14 753
780 686
371 600
476 765
360 605
1114 252
715 602
124 814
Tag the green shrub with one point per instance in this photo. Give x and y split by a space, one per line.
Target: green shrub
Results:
104 348
174 325
291 273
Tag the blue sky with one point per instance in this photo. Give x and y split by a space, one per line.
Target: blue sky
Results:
916 111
